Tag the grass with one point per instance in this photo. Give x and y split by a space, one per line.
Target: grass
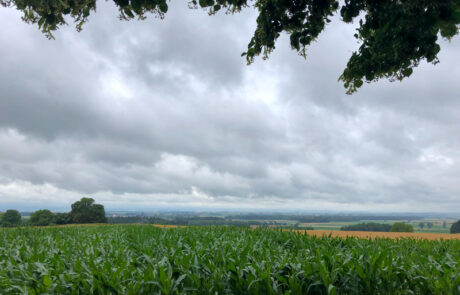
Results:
142 259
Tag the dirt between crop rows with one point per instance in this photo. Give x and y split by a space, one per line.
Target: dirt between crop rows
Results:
392 235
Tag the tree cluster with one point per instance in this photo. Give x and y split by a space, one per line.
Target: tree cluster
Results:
86 211
10 218
394 36
428 224
83 211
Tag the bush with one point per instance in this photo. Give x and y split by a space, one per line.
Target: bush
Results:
371 226
402 227
455 228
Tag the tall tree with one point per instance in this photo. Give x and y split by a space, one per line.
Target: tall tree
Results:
86 211
395 36
11 218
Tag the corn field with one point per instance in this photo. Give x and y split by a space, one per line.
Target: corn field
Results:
141 259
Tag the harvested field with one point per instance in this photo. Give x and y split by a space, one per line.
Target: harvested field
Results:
392 235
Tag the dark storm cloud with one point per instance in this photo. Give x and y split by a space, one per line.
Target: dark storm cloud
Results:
167 112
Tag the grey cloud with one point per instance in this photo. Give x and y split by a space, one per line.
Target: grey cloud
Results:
167 110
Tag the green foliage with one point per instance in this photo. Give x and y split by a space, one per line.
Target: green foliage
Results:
455 228
371 226
50 15
85 211
219 260
395 36
11 218
42 218
63 218
402 227
421 225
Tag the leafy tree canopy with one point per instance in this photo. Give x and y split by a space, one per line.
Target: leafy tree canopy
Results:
62 218
86 211
11 218
42 218
395 36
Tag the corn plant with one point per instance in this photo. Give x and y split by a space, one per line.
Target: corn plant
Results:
141 259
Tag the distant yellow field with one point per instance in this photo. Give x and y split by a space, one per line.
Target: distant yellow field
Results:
392 235
167 225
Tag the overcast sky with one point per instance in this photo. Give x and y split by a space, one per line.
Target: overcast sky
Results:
166 114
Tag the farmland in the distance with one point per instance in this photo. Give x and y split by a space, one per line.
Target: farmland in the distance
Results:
391 235
361 234
142 259
436 228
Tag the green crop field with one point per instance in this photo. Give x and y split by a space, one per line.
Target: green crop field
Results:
141 259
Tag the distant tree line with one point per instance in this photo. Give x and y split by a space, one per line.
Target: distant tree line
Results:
83 211
180 220
320 218
402 227
379 227
428 224
396 227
